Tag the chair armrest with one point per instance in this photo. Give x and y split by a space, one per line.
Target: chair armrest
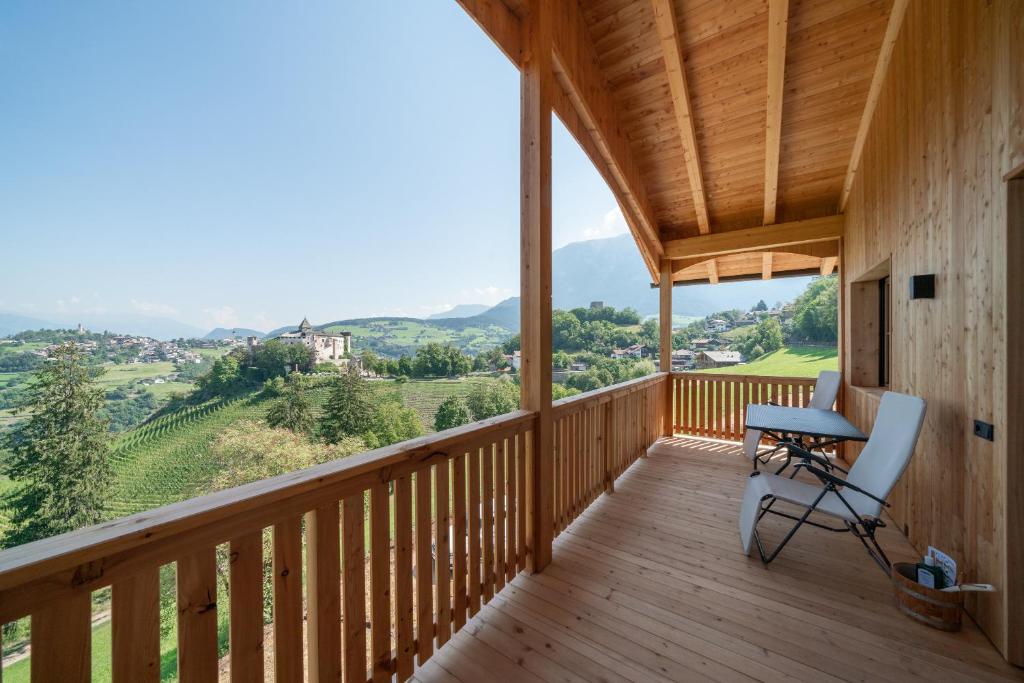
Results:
829 478
807 455
772 403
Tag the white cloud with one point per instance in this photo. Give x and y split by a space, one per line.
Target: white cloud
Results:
489 295
222 316
153 308
611 225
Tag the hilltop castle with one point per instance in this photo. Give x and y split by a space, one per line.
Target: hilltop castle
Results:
327 348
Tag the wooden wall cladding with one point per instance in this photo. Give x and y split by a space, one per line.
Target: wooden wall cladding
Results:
931 191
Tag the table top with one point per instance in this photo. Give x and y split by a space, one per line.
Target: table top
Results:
807 421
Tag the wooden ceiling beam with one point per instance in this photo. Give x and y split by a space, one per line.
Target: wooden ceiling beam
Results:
819 250
828 264
892 31
757 239
500 23
766 265
671 48
778 23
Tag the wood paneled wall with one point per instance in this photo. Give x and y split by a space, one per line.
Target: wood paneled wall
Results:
931 194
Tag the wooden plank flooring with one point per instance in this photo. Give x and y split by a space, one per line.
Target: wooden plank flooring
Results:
649 584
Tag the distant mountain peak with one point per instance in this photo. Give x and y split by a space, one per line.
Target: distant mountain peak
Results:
460 311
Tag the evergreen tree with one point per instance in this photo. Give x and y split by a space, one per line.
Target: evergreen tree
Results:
59 455
294 411
348 410
451 413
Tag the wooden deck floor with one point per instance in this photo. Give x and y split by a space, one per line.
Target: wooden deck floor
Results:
649 585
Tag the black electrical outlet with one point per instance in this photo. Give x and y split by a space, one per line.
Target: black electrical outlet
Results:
984 430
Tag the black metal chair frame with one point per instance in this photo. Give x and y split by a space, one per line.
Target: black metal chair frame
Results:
864 528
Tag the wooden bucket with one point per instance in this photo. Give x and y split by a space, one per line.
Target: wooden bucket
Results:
927 605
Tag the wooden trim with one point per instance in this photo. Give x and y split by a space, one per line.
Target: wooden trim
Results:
766 265
499 23
1014 479
579 74
828 264
892 31
757 239
671 50
778 23
712 272
535 275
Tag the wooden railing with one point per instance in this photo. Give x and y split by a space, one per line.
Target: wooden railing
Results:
715 406
597 436
379 557
366 522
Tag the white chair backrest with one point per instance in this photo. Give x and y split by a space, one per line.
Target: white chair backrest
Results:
826 388
887 452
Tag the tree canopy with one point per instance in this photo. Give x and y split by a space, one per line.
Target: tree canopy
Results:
816 311
59 456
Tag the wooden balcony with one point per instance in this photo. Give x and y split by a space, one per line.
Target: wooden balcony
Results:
649 584
417 557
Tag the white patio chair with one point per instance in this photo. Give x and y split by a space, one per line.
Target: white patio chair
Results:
826 388
856 501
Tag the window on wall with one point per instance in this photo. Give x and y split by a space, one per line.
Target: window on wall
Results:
871 327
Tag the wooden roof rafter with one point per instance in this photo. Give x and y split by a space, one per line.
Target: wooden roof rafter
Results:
671 47
778 23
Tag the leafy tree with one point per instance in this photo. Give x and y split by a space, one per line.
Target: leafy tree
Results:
348 410
486 401
294 411
59 456
451 413
561 391
512 345
763 338
440 360
565 330
224 377
761 306
277 359
390 423
817 311
560 359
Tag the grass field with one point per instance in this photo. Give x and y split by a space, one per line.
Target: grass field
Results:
789 361
116 375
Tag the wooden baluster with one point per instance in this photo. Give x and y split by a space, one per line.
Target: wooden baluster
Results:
512 514
135 628
197 616
404 649
287 560
323 593
354 513
424 568
380 581
459 542
246 617
473 512
522 439
500 502
442 562
62 641
487 528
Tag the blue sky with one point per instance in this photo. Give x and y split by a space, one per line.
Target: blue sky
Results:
248 163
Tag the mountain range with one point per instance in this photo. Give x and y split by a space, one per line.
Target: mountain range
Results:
608 270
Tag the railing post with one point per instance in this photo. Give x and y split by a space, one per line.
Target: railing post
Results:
537 87
665 343
607 444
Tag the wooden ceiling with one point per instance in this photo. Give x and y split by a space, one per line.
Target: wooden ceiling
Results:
707 116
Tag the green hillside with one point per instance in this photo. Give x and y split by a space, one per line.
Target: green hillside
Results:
396 336
789 361
166 459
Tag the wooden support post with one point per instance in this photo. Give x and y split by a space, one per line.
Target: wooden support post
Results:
665 343
535 273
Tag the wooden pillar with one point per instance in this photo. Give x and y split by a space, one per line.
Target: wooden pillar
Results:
665 342
535 273
1013 600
